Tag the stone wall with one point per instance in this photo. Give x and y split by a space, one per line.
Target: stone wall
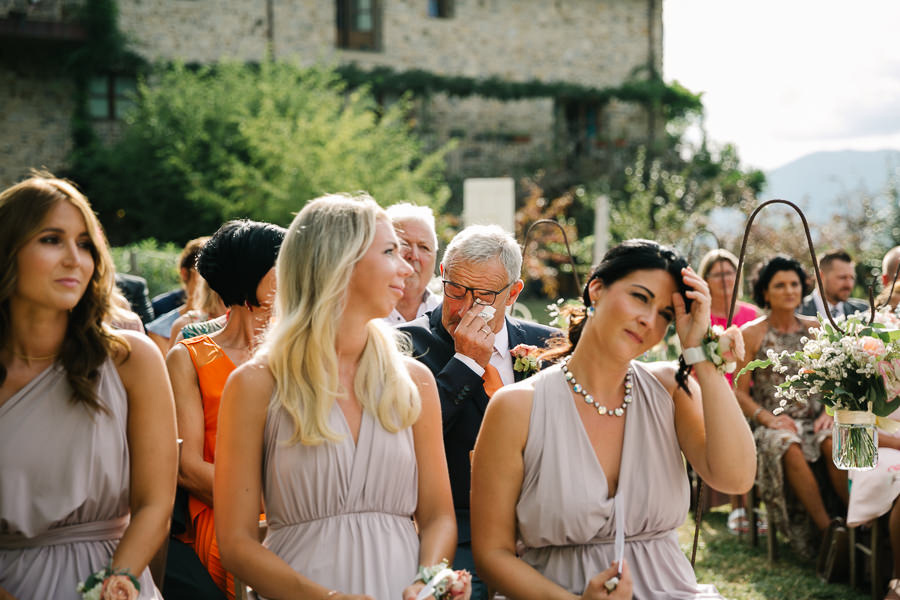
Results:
598 43
34 123
592 42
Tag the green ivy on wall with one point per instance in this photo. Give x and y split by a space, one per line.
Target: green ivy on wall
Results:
676 100
105 50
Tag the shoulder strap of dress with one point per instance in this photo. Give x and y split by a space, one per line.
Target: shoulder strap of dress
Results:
202 350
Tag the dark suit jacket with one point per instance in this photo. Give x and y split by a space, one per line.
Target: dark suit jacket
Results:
461 390
851 306
134 289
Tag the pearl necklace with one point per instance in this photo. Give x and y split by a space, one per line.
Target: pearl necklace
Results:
602 410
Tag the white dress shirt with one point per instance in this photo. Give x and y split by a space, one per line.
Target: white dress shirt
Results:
430 300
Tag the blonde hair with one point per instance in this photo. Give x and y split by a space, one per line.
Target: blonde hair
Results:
714 257
319 253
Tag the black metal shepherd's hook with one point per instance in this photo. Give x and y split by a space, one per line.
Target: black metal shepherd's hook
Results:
812 253
565 240
697 235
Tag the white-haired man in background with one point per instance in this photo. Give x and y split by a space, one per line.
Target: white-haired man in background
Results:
414 226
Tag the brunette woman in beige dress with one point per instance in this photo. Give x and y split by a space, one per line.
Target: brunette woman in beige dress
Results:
87 422
590 450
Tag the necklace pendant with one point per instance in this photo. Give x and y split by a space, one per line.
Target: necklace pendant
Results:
619 412
601 410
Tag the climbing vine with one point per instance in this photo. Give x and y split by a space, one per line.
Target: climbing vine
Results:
675 99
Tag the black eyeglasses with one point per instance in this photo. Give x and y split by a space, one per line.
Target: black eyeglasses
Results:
458 292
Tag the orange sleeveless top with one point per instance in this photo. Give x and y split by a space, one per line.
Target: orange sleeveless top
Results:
213 368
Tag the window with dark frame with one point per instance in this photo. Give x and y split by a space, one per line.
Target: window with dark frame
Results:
357 21
440 9
582 126
110 96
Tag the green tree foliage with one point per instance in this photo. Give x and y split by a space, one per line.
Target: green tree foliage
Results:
234 140
670 198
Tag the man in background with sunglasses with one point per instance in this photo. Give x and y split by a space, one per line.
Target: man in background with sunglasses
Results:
466 343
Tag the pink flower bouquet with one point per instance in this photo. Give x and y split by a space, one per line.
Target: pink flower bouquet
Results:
109 584
444 583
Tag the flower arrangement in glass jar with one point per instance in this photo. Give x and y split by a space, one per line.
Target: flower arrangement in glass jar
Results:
857 375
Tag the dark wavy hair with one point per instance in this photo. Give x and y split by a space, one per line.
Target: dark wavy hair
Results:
237 257
619 262
767 271
89 341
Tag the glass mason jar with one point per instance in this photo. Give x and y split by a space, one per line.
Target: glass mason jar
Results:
854 440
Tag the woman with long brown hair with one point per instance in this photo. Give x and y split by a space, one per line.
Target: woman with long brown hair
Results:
87 422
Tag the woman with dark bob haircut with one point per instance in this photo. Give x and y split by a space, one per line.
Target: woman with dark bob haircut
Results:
238 264
87 424
768 270
788 443
589 451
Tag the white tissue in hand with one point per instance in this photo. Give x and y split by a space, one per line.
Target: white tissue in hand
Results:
487 312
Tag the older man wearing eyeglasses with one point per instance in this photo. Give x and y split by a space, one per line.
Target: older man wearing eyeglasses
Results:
466 343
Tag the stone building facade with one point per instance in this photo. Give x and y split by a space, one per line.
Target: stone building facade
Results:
595 43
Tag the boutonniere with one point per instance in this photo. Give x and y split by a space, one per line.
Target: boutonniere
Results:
527 360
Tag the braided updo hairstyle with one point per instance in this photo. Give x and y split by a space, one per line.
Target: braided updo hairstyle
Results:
618 262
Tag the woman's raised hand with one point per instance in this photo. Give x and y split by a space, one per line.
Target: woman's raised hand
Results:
692 326
596 587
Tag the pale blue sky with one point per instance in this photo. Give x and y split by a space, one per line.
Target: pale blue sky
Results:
784 78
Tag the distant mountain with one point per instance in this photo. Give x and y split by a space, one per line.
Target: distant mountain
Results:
826 183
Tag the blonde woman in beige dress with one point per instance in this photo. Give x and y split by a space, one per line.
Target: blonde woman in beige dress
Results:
565 479
87 422
338 431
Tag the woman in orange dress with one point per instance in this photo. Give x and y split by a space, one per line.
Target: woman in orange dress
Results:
237 263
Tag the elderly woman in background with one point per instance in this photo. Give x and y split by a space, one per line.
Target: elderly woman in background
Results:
719 269
238 263
787 444
87 424
334 426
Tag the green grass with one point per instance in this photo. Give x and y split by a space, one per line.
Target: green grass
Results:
742 572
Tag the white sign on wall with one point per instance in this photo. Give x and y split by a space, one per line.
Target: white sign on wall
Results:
490 201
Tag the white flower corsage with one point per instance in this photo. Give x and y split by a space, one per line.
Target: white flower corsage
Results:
109 584
444 583
724 347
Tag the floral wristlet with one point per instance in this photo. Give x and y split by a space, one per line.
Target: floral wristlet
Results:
109 584
444 583
722 347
